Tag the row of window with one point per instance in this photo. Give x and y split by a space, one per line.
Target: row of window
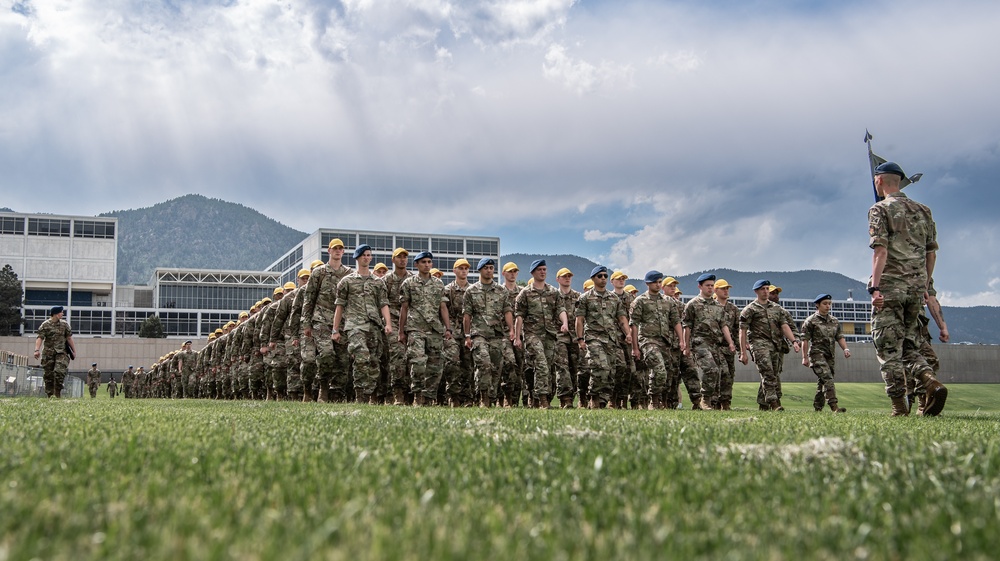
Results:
288 261
201 297
58 227
414 244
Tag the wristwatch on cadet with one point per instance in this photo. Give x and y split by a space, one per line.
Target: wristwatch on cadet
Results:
873 289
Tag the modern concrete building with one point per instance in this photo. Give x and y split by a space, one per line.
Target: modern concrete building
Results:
446 249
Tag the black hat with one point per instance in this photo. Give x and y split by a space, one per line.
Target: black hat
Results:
358 251
890 168
55 310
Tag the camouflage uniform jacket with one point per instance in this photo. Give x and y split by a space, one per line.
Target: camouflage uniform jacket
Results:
456 299
267 321
763 323
94 375
393 285
293 326
704 317
822 332
731 317
362 299
656 316
321 292
281 313
54 335
627 298
568 300
237 338
600 312
539 310
423 299
486 305
907 230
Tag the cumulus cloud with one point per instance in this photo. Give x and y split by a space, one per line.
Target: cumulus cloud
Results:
599 236
581 76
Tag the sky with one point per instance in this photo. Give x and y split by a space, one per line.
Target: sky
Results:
677 136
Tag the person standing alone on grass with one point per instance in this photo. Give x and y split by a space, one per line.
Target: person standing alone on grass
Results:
112 387
57 337
93 380
820 333
903 238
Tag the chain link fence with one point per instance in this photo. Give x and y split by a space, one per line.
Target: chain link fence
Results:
21 380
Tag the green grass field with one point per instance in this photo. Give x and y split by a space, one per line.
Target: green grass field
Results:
103 479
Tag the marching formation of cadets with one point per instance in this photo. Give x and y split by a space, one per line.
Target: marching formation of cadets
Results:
386 335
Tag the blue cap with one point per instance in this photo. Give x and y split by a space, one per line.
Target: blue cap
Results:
484 262
822 297
598 270
422 255
536 264
706 277
361 249
653 276
891 168
761 284
130 366
55 310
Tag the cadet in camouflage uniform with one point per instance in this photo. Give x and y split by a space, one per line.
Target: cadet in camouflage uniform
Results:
903 237
187 361
112 387
318 308
128 381
626 384
512 378
762 326
723 398
705 331
424 325
686 368
457 359
93 380
820 332
915 392
774 295
308 350
599 313
486 312
399 374
363 304
277 341
538 319
292 333
273 362
653 319
567 356
57 336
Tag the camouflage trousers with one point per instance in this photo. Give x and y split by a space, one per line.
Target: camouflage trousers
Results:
365 349
603 359
293 367
176 386
399 374
332 362
896 333
767 358
913 385
826 391
709 362
656 358
256 382
487 358
565 363
624 373
727 376
423 350
92 387
458 369
779 367
512 377
277 363
539 354
687 369
308 368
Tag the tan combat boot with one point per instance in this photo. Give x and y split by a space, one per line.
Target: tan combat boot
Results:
484 399
703 405
543 401
324 395
935 397
776 405
835 408
566 402
899 408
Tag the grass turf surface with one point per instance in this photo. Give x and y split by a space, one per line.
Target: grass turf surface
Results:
156 479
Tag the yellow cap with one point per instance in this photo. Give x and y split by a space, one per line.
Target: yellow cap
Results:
335 242
669 281
436 273
400 251
265 301
315 264
678 292
618 275
381 267
278 291
218 332
289 285
461 263
722 283
630 288
510 266
303 273
211 337
772 289
244 315
588 284
564 272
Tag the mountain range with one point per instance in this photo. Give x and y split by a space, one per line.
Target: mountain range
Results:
194 231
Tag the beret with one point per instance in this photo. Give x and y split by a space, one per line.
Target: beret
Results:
536 264
358 251
761 284
484 262
822 297
598 270
706 277
890 168
422 255
653 276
